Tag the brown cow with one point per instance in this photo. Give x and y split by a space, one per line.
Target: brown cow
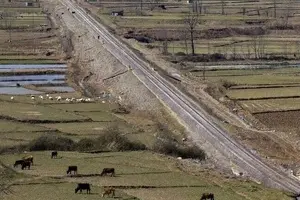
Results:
108 191
107 171
207 196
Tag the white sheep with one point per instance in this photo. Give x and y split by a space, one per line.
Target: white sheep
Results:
41 97
50 98
80 100
12 98
32 98
58 98
47 95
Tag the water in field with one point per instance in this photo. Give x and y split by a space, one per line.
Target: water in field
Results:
11 83
7 68
17 91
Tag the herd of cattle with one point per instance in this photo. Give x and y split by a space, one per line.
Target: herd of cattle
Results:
27 161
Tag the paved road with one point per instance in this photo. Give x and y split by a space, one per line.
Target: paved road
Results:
198 122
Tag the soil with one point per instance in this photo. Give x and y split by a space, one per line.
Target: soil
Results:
284 121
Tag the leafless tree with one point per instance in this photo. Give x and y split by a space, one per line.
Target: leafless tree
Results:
233 49
185 38
191 21
141 6
258 46
7 17
287 13
197 6
223 6
275 8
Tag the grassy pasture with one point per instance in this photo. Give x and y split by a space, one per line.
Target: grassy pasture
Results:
249 72
22 10
263 93
133 169
59 191
21 111
11 126
83 129
99 116
84 107
52 115
255 106
265 79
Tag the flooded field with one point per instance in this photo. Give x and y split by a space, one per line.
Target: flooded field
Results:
15 79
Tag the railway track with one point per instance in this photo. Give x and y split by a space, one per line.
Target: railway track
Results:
198 122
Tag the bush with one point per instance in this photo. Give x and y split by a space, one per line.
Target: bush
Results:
110 140
174 149
51 143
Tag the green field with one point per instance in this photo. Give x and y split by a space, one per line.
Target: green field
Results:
233 44
263 93
259 90
25 119
256 106
27 112
134 170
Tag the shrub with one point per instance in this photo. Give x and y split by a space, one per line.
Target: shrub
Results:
227 84
110 140
174 149
51 143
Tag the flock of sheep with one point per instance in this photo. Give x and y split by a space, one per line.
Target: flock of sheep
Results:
59 98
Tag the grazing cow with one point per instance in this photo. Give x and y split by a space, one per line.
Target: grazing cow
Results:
28 158
83 186
207 196
18 162
72 168
106 171
26 164
108 191
54 154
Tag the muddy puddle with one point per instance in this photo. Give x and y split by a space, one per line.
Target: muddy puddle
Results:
15 83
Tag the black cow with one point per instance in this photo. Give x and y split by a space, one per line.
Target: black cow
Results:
207 196
26 164
72 168
106 171
18 162
83 186
54 154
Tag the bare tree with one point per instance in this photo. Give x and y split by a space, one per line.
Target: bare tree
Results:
223 6
141 6
185 38
287 14
258 45
275 8
197 6
191 21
